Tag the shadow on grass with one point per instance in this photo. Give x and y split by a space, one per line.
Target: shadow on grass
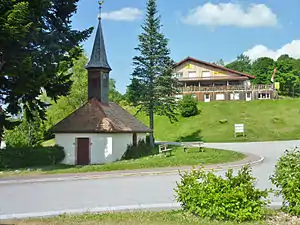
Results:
195 136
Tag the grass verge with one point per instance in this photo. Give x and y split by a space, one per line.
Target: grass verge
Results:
178 158
131 218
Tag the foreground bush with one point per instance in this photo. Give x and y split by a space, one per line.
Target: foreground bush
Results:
14 158
287 179
207 195
142 149
188 106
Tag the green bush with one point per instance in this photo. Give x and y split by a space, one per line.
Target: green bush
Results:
142 149
26 134
207 195
188 106
287 179
16 158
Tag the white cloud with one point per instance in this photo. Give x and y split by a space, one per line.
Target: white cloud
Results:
124 14
230 14
292 49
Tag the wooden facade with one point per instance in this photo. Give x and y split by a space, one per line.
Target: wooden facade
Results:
210 82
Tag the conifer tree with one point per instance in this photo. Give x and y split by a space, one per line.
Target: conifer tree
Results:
153 88
37 49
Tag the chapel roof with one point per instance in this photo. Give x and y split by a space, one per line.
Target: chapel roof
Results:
96 117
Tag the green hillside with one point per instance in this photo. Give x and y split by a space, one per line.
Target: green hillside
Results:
265 120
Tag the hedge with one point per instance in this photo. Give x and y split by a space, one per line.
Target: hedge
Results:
14 158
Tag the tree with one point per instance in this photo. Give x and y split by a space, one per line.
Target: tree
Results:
241 64
113 94
219 62
263 68
27 134
188 106
153 87
37 46
288 75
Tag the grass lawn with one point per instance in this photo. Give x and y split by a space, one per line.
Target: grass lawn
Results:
178 158
133 218
265 120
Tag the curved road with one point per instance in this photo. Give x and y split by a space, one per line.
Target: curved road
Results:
50 198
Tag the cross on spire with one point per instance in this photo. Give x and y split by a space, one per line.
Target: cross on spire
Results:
100 8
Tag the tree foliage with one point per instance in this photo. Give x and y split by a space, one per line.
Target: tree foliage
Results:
37 46
27 134
188 106
152 86
208 195
287 179
241 64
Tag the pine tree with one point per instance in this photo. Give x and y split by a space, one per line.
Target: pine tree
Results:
153 88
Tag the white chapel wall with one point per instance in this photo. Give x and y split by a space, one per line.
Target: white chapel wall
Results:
105 148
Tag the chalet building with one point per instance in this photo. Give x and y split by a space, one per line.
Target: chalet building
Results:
209 82
100 131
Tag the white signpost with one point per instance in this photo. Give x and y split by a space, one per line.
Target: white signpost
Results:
239 129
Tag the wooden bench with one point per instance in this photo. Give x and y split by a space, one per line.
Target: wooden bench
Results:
199 145
163 149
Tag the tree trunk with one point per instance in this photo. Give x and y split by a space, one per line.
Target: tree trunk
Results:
151 117
1 135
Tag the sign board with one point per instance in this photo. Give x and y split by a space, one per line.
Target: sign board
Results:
239 129
277 85
217 72
189 66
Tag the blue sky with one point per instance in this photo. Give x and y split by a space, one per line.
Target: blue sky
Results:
207 30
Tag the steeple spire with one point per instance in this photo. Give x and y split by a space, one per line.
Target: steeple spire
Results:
98 67
98 58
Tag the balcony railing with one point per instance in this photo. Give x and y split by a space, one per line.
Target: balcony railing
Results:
227 88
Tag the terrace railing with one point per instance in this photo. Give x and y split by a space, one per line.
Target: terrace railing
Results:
227 88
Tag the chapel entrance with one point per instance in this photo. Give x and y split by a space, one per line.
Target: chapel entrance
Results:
83 151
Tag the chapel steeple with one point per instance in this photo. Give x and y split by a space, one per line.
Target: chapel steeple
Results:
98 67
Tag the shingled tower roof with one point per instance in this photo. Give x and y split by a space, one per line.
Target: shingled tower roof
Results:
98 58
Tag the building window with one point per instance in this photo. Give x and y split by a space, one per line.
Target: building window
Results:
235 96
264 96
206 74
178 75
220 97
192 74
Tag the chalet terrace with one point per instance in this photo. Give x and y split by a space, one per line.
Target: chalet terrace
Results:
209 82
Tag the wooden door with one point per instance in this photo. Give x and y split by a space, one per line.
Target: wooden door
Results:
83 151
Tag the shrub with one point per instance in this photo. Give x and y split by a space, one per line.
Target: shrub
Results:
26 134
286 178
188 106
15 158
142 149
211 196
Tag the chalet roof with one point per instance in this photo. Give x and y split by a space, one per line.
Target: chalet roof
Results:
213 65
95 117
98 58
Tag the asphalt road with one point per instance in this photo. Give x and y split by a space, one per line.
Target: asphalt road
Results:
33 199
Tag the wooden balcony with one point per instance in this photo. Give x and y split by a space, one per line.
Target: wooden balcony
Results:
227 88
